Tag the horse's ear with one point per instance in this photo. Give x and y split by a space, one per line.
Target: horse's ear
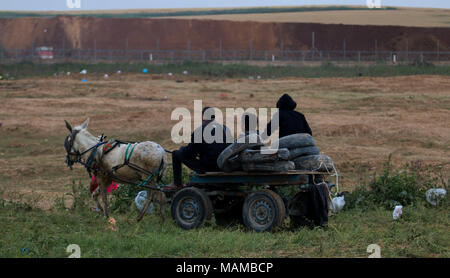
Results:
68 126
85 124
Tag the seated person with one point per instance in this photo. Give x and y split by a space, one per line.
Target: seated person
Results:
290 121
200 157
250 122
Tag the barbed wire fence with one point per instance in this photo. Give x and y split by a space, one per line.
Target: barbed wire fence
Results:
63 54
123 55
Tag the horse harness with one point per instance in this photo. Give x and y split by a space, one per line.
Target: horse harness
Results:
93 167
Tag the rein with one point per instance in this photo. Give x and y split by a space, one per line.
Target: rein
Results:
94 149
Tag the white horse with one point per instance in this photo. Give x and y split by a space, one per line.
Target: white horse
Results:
114 161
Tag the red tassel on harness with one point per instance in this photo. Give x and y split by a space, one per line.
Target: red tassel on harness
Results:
94 186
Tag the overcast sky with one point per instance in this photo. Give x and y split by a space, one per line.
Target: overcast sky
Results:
52 5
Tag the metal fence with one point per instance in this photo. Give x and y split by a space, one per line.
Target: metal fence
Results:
102 55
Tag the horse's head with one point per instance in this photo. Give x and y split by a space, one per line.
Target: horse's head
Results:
72 144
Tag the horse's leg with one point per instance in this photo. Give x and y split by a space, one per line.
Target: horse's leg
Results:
103 183
95 195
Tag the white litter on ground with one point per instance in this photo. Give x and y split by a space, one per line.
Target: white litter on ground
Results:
337 204
83 71
170 74
106 76
397 212
140 202
185 72
434 195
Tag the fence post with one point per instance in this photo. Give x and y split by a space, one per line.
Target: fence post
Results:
376 50
345 52
437 50
407 51
281 50
189 49
220 48
204 55
95 51
251 51
126 50
32 50
359 56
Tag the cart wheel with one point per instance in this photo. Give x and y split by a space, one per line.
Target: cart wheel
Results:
191 207
263 210
299 210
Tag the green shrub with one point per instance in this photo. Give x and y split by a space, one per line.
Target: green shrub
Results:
401 187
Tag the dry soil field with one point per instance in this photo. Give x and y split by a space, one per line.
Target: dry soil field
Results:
418 17
356 121
402 16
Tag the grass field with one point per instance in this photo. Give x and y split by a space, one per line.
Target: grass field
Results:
358 15
186 12
357 121
231 70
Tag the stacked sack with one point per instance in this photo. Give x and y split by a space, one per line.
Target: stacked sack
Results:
304 153
245 155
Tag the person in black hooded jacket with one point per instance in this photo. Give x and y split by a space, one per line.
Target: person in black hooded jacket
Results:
202 156
290 121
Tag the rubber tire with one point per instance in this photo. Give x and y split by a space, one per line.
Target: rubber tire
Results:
204 202
320 163
278 166
232 164
297 140
255 156
236 148
303 151
277 204
301 202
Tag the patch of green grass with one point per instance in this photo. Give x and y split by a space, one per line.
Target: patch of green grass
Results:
422 231
218 70
257 10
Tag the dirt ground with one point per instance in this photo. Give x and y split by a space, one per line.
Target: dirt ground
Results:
356 121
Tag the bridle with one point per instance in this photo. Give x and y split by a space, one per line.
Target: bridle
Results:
91 167
68 145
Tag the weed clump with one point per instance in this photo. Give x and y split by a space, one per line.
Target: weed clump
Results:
393 187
